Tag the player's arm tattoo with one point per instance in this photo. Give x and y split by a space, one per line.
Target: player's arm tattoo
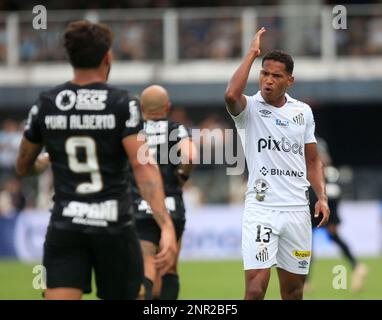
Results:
27 162
151 191
148 178
147 188
148 248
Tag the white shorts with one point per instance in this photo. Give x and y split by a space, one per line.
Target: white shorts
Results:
279 238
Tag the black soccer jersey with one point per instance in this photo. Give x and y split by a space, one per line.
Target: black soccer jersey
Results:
163 137
82 128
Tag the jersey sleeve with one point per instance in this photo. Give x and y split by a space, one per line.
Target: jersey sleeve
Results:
132 119
32 130
242 118
310 128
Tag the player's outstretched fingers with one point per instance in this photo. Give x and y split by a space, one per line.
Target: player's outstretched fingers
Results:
325 218
260 32
317 210
256 41
322 207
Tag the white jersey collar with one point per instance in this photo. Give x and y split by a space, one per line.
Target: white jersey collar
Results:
260 98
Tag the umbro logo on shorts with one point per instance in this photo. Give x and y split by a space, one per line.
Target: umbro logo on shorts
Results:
303 264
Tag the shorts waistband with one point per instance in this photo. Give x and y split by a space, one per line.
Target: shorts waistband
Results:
256 206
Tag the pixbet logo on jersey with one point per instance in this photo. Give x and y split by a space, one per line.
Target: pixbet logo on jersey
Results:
279 145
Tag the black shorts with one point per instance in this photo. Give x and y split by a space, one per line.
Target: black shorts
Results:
149 230
69 258
334 219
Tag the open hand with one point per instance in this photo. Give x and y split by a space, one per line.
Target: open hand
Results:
255 45
166 256
322 207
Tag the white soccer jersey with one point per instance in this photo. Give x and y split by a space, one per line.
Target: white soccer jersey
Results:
274 146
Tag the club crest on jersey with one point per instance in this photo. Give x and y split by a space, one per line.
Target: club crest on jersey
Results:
299 119
261 186
65 100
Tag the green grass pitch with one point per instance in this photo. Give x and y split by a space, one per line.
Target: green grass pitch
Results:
214 280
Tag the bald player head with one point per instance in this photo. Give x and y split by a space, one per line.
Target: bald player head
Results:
155 102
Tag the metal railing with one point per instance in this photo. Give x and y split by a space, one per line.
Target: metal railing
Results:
176 35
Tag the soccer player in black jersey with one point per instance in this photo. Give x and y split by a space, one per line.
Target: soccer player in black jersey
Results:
171 146
359 269
90 132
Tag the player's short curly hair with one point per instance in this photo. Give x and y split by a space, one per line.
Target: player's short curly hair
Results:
86 43
281 56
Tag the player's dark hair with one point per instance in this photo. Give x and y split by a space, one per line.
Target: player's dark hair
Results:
86 43
281 56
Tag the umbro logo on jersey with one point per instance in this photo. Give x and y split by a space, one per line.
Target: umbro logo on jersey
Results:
265 113
299 119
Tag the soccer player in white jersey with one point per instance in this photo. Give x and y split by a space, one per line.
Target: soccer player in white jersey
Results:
277 134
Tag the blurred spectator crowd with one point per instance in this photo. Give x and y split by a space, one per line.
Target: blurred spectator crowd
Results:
218 36
112 4
12 199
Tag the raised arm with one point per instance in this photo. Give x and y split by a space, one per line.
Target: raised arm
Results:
149 181
234 98
317 180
